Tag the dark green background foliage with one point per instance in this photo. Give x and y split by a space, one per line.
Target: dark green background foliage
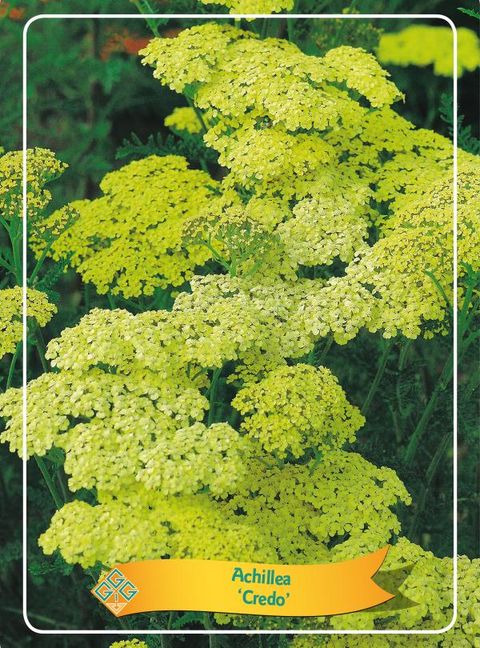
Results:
91 102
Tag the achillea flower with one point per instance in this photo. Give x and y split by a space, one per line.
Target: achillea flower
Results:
296 408
254 6
42 167
184 119
39 308
132 246
425 45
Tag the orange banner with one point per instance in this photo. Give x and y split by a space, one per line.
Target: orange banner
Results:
243 588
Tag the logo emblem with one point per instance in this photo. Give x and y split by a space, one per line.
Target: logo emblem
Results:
115 591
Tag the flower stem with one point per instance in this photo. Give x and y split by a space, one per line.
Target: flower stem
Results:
420 428
198 113
50 483
13 363
15 234
39 263
378 377
325 350
40 346
430 474
144 7
208 625
212 393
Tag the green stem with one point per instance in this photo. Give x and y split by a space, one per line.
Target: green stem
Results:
39 263
208 625
62 484
50 483
13 364
4 223
403 354
4 263
171 618
440 386
40 346
472 385
198 113
396 425
15 240
216 256
165 641
430 474
291 29
378 377
264 30
325 350
405 348
212 395
144 7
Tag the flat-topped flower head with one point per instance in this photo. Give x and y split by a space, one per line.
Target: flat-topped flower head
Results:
275 514
184 119
254 6
240 79
39 309
425 45
42 168
131 246
296 408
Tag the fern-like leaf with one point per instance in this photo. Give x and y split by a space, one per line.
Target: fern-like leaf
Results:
466 140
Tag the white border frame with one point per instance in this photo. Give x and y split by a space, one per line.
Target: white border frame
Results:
455 322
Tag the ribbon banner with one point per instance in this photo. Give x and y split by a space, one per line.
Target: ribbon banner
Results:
243 588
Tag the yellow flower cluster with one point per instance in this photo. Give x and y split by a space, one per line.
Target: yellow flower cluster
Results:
142 524
122 533
195 457
295 137
244 237
271 78
131 246
42 167
296 408
334 308
401 267
262 93
324 228
426 601
297 506
262 338
412 266
39 308
360 71
424 45
184 119
403 283
276 514
126 406
194 55
270 156
254 6
129 643
106 407
316 177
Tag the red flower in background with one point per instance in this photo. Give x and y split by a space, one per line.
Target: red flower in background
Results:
124 42
15 13
127 42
